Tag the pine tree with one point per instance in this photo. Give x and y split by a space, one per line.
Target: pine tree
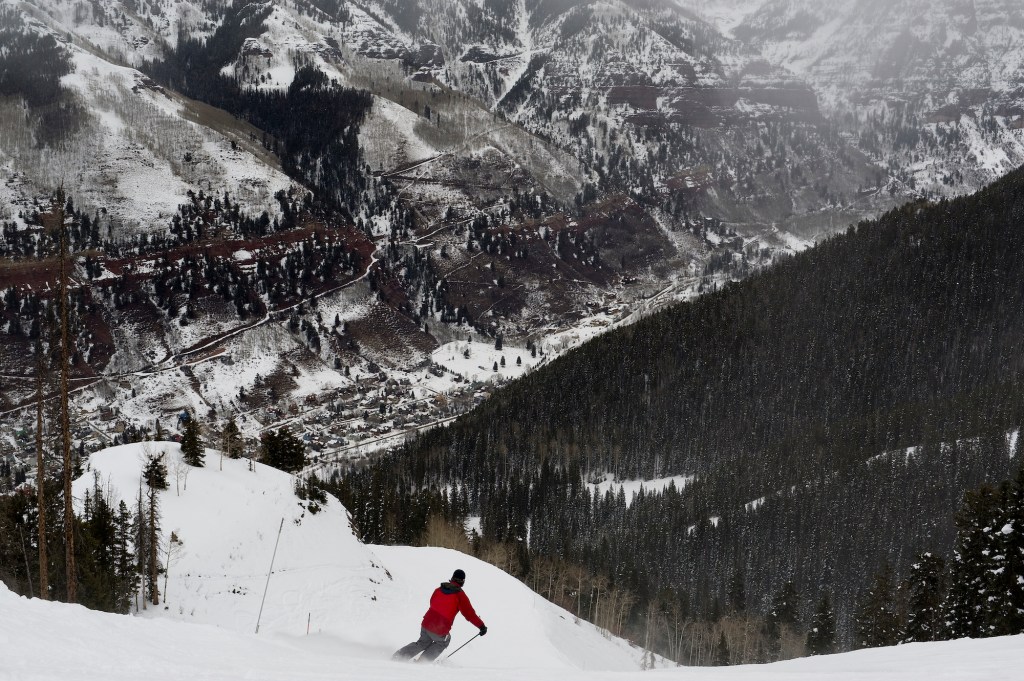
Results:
782 619
926 590
192 450
154 472
970 582
821 638
153 545
232 440
737 592
283 451
97 564
1004 609
125 568
785 609
155 476
1013 548
877 621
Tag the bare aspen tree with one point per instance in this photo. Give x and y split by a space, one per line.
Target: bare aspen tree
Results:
171 552
440 532
181 471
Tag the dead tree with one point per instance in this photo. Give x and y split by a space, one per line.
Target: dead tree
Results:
44 573
56 223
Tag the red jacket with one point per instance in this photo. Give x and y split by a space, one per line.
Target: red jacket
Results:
447 601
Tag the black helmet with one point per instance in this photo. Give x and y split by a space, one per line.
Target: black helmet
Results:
459 577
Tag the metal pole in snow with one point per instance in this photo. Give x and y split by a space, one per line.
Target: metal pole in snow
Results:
269 572
308 620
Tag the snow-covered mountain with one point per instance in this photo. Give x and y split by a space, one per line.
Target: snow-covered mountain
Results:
934 88
135 154
908 45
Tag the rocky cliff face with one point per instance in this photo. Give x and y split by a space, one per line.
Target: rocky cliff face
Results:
933 90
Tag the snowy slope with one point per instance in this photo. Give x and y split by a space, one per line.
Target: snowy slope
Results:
360 601
135 153
100 647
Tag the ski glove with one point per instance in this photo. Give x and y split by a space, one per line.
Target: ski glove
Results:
483 631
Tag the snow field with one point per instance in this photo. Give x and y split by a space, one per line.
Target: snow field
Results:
136 154
388 136
479 365
102 647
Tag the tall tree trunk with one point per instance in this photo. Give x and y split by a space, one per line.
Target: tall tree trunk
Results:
44 571
141 552
154 574
65 417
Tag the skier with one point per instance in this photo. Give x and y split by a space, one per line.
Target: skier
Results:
447 601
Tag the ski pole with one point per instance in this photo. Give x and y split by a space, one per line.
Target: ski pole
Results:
462 646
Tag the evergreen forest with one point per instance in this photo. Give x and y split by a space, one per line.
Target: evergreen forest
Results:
832 413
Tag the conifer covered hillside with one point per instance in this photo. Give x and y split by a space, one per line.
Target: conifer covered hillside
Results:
832 412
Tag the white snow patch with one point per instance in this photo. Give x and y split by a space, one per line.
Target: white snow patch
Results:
793 242
475 360
751 506
631 488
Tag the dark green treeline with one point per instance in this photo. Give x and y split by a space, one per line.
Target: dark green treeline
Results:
856 390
